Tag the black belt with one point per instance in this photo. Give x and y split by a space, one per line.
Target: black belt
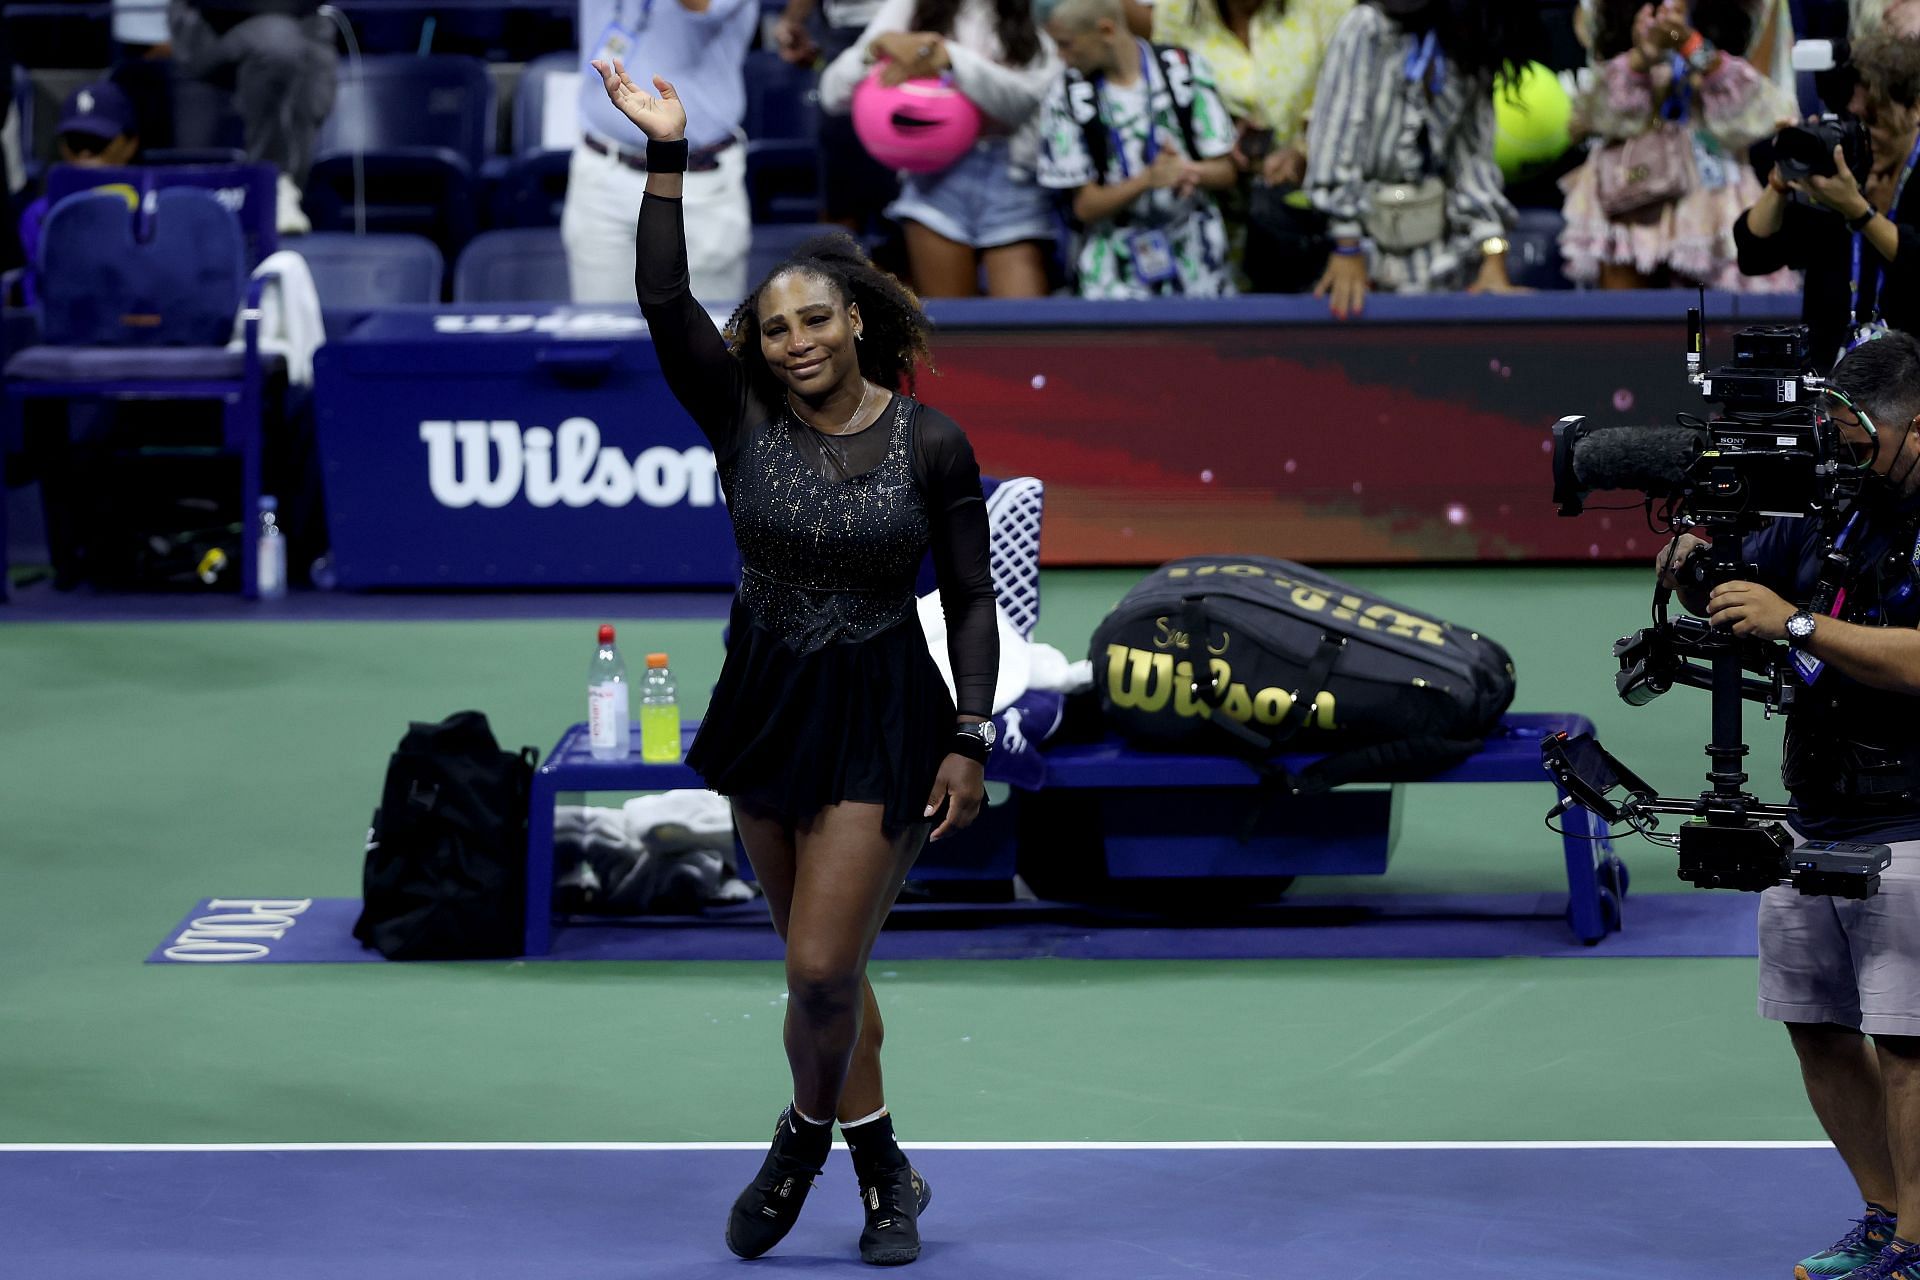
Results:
705 160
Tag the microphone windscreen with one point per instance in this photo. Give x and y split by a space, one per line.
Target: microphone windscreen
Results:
1653 460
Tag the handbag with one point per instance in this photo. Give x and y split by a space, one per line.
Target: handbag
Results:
1653 168
1407 215
1287 243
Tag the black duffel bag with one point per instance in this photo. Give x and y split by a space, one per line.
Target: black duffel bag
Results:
1255 657
446 868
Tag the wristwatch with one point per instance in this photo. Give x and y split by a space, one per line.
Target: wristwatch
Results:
975 741
1800 629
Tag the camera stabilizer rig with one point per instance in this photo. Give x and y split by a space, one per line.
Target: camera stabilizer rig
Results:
1768 455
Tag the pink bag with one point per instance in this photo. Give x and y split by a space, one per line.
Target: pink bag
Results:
1652 169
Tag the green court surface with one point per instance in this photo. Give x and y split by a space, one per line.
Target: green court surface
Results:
149 765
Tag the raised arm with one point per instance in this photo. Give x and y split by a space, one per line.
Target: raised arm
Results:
703 376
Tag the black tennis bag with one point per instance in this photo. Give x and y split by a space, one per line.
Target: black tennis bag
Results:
1255 657
446 867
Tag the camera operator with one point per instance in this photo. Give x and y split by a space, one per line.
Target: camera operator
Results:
1838 971
1858 243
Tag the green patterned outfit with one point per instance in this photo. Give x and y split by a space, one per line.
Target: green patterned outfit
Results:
1141 118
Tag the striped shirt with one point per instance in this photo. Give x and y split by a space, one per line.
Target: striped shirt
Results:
1373 125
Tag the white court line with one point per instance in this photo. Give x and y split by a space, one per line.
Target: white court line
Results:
1610 1145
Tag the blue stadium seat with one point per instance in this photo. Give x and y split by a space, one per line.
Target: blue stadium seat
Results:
533 188
192 155
418 129
139 300
353 273
530 100
247 189
773 241
783 139
521 264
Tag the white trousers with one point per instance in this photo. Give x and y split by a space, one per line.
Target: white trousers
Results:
603 204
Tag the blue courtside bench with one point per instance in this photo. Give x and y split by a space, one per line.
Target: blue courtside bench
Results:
1158 815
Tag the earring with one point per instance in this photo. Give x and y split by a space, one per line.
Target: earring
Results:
859 334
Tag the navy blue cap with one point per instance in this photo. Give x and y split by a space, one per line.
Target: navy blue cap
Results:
97 110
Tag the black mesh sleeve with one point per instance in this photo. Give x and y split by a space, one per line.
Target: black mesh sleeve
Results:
962 564
702 374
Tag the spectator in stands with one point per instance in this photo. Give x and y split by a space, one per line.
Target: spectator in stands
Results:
96 130
855 188
985 211
701 44
1665 83
1266 57
1140 137
1859 248
1400 152
279 58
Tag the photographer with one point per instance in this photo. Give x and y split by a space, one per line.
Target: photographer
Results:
1856 241
1840 971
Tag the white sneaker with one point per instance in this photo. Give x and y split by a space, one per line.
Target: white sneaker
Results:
289 218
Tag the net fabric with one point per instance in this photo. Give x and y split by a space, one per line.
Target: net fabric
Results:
1013 522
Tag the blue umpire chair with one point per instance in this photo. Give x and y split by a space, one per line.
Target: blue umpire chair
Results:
405 143
139 303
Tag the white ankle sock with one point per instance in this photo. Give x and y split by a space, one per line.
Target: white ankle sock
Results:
855 1124
818 1124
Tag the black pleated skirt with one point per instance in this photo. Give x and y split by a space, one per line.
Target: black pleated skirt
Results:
787 734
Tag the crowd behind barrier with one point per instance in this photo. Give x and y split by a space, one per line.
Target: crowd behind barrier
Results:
1101 150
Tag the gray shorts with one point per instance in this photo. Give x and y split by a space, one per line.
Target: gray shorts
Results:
1854 963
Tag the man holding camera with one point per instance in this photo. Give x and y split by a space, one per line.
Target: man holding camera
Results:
1843 974
1855 228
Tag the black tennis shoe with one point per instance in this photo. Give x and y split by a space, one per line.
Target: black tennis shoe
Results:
770 1205
894 1200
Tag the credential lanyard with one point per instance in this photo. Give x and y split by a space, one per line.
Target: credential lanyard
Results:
1853 296
1150 149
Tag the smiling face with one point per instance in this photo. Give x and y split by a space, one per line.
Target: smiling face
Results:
807 333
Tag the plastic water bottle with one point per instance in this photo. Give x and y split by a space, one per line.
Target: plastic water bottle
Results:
659 713
607 706
270 552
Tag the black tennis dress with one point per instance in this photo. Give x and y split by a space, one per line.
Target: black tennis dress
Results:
828 693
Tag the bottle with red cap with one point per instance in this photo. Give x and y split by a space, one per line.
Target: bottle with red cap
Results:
608 707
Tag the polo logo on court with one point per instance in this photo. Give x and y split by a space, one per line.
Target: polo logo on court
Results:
237 929
489 464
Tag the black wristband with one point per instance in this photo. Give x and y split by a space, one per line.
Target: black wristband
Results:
666 157
970 746
1863 221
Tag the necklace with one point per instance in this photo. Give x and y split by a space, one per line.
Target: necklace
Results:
865 394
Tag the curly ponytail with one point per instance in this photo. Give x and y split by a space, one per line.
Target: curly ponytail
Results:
896 327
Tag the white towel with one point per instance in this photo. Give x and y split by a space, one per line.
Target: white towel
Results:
674 820
290 323
1015 662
